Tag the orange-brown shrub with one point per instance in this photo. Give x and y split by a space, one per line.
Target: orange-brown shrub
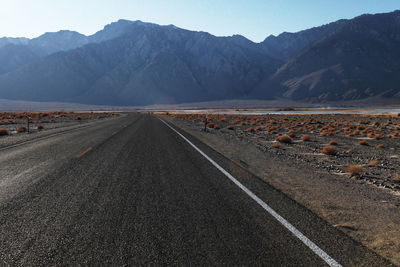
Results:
250 129
284 139
363 143
381 145
379 136
329 150
3 131
276 145
333 143
306 137
372 163
355 169
210 125
217 127
40 127
230 127
21 129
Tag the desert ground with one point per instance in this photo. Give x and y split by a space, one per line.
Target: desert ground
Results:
22 126
344 167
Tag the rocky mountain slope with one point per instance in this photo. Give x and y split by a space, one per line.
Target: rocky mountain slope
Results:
137 63
359 60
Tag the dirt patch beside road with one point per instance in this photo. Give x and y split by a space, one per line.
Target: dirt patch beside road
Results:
365 206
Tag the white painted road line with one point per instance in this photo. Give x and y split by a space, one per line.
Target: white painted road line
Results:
318 251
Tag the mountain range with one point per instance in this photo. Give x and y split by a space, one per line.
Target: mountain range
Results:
137 63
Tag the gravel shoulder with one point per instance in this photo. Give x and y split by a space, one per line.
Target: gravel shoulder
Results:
366 207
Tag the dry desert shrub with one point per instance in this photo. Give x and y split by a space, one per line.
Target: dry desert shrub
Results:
333 143
363 143
284 139
305 138
230 127
381 146
217 127
40 127
329 150
396 177
373 163
3 131
250 129
210 125
355 169
379 136
276 145
21 129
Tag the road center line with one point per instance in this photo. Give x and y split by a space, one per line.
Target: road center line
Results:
83 153
318 251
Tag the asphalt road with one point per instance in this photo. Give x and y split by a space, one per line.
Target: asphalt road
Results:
131 191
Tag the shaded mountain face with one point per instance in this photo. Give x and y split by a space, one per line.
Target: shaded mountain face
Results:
287 45
136 63
359 60
147 64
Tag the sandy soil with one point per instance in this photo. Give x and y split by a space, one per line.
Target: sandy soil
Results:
364 205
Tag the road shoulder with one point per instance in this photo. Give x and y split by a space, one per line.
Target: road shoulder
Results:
367 214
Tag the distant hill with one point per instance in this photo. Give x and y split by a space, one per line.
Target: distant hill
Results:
137 63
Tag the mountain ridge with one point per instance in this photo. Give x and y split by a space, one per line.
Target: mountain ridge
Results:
139 63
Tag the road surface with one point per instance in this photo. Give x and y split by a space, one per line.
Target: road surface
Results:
132 191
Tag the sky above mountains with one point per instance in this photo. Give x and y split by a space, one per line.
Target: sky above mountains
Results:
255 19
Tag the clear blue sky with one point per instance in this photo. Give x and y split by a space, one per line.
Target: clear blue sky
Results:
255 19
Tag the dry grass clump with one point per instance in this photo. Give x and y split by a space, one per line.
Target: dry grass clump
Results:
329 150
40 127
250 129
21 129
363 143
217 127
276 145
3 131
305 138
284 139
355 169
333 143
210 125
373 163
230 127
396 177
381 146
